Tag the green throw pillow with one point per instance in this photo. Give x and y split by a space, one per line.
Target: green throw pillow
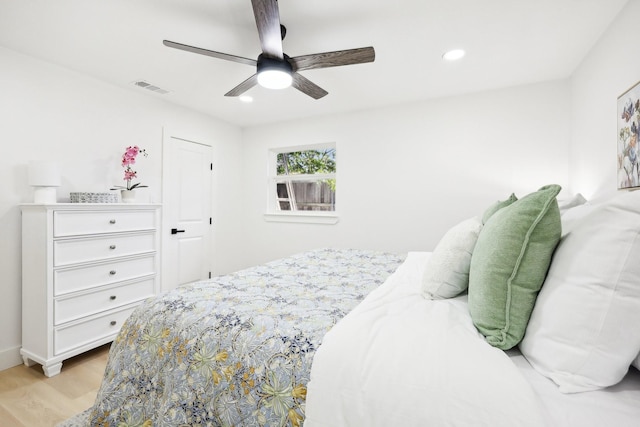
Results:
497 206
509 265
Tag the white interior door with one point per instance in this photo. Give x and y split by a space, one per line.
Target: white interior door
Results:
186 207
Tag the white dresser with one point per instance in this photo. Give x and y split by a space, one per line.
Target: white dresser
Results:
85 267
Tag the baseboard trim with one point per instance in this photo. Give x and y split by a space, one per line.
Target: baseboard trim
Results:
10 358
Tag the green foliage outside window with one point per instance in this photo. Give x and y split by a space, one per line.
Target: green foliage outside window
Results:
308 162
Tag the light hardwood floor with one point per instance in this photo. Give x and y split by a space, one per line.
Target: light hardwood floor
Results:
29 399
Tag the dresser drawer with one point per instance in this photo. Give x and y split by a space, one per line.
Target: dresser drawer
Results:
66 280
75 307
74 223
74 251
97 328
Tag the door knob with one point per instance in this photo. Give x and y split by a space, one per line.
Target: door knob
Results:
176 231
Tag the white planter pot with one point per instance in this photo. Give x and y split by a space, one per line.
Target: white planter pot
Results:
128 196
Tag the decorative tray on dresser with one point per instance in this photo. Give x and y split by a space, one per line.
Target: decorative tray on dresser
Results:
85 268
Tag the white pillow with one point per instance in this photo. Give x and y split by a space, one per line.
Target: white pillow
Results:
565 204
447 271
583 332
573 216
636 362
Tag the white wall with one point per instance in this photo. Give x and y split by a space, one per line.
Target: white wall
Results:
610 68
406 174
435 162
446 159
52 113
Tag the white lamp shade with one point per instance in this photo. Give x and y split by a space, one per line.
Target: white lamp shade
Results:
44 174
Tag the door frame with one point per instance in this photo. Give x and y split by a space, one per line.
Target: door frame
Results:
169 133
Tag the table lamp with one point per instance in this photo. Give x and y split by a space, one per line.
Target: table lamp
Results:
44 177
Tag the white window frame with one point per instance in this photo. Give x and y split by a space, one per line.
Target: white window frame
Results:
274 214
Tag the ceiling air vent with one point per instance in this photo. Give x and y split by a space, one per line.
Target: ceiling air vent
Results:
149 86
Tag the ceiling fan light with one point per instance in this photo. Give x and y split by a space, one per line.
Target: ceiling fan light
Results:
274 73
274 79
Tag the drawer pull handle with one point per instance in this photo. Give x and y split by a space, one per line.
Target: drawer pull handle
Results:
113 323
112 221
112 297
112 247
112 272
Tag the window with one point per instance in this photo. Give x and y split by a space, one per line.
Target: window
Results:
303 181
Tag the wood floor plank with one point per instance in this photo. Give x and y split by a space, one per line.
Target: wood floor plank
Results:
9 420
28 398
18 376
35 405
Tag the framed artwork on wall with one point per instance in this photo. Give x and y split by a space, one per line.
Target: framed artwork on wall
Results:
628 138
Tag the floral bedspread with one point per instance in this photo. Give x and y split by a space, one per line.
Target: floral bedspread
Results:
235 350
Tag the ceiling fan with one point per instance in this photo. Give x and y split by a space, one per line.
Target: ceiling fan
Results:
275 69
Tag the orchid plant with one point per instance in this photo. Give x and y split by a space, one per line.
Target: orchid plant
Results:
128 159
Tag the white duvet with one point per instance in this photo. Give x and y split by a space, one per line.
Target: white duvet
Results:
400 360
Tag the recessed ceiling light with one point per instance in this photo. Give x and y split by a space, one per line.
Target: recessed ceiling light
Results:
453 55
246 98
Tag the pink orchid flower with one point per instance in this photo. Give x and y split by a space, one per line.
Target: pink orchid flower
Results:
128 159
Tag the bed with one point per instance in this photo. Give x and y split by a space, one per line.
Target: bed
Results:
418 362
421 349
237 349
481 331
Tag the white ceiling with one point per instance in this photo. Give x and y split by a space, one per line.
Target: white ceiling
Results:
508 42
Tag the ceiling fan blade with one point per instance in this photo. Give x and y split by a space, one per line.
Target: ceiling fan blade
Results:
306 86
244 86
211 53
268 23
333 59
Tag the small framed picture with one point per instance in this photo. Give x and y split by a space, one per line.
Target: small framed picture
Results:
628 135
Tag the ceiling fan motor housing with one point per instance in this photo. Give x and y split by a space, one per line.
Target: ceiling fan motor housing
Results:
267 63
